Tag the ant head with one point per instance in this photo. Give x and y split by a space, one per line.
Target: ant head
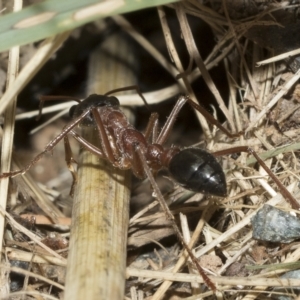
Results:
89 103
95 100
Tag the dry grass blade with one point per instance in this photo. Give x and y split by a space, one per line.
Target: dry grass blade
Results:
31 235
175 56
45 51
195 55
8 127
97 256
272 102
183 277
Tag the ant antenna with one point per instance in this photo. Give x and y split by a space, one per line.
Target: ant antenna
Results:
129 88
44 98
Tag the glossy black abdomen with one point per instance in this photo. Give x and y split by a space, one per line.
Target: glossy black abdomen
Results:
199 171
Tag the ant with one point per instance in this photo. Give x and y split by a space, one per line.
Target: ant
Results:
127 148
193 168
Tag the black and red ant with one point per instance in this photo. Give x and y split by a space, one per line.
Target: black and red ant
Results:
193 168
127 148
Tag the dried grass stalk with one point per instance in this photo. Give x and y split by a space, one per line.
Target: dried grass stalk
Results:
97 256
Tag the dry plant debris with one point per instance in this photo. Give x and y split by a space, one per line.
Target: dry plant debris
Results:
219 229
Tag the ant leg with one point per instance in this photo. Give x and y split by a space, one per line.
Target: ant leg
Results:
87 145
152 128
165 131
48 147
211 119
105 144
170 217
172 118
106 151
44 98
69 156
70 160
285 193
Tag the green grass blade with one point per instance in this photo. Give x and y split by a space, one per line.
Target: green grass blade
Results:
51 17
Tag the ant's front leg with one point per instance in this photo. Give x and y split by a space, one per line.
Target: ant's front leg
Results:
70 161
69 156
49 147
87 145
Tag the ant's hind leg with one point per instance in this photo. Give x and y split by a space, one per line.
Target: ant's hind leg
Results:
285 193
